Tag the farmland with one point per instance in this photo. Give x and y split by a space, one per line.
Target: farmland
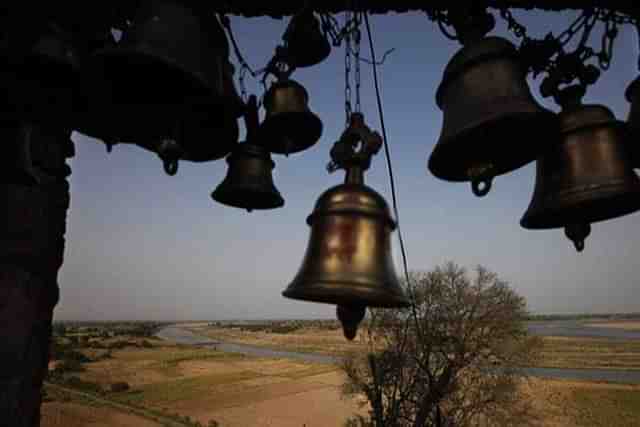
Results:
122 375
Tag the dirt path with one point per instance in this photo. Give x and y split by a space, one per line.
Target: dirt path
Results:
121 406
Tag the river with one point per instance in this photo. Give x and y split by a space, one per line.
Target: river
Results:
182 336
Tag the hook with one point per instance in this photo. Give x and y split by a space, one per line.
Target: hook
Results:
170 166
481 186
577 233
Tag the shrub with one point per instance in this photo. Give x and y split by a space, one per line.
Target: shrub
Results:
119 387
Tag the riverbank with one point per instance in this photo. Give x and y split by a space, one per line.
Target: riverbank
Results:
570 358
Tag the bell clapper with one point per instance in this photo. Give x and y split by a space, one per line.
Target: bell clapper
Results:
481 180
169 152
109 144
350 317
170 166
577 233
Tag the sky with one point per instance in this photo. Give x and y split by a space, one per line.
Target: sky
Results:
142 245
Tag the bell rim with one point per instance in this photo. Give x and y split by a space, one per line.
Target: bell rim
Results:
634 87
626 202
225 197
544 124
327 292
312 126
318 59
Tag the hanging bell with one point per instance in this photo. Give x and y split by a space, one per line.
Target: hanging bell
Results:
289 125
305 43
492 125
249 183
585 176
171 64
633 121
348 260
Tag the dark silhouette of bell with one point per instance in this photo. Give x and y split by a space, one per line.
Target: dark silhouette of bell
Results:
633 121
249 183
306 45
41 76
289 125
585 176
492 125
169 77
348 259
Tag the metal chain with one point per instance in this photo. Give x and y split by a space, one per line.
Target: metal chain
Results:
638 31
243 88
514 26
357 37
347 72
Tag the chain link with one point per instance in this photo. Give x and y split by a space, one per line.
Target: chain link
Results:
241 82
514 26
357 37
347 72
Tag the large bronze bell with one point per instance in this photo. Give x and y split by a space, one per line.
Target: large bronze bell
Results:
348 259
169 78
289 125
492 125
585 176
633 121
306 45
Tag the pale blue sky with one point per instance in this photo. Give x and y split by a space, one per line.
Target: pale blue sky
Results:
143 245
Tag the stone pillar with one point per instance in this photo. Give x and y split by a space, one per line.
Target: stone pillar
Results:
34 198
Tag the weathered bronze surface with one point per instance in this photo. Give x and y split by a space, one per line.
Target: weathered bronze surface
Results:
169 78
249 183
492 125
306 45
585 176
348 260
289 125
633 121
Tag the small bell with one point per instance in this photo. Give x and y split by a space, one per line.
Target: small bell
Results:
249 183
585 176
492 125
306 45
348 260
633 121
289 125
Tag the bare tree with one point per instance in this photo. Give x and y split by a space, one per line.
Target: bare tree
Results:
447 360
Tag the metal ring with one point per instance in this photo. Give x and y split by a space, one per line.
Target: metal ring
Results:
481 186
